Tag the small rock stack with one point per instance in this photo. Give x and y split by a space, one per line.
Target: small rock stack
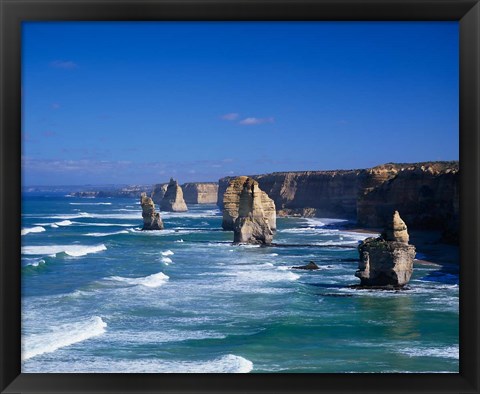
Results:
387 260
173 199
151 219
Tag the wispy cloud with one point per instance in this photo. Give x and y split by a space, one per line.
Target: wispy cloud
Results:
230 116
256 121
55 106
66 64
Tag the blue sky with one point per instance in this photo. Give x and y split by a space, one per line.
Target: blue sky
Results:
139 102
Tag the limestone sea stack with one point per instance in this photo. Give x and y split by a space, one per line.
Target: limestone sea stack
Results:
151 219
231 201
388 259
252 224
173 199
158 192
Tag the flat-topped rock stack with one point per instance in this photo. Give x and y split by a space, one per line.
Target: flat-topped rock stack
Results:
388 259
151 219
231 203
173 199
252 225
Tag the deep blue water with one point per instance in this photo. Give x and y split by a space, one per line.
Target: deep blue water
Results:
99 295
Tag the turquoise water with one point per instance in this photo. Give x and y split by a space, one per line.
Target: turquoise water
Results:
99 295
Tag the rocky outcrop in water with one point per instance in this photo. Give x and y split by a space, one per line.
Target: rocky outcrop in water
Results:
248 211
200 192
173 199
388 259
151 219
231 203
309 267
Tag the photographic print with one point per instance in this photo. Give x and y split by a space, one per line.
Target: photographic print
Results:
240 197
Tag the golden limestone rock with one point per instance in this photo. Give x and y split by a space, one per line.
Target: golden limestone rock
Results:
388 259
252 224
231 202
151 219
173 199
396 230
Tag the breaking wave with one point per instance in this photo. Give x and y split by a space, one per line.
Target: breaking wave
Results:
155 280
61 336
37 229
71 250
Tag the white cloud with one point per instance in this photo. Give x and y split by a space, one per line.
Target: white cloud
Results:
255 121
66 64
230 116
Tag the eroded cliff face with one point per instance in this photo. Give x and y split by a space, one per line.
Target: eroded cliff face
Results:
320 193
252 225
200 192
231 203
425 193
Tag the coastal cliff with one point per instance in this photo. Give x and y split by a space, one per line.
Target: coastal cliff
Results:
200 192
193 192
310 193
426 194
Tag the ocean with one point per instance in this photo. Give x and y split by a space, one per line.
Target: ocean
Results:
100 295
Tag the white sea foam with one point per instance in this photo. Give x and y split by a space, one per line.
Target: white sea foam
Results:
225 364
167 253
64 223
106 234
36 263
103 224
71 250
29 230
54 225
64 335
320 222
69 216
166 260
208 213
441 352
179 240
154 280
90 203
264 275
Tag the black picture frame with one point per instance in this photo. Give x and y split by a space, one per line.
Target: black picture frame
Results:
13 12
